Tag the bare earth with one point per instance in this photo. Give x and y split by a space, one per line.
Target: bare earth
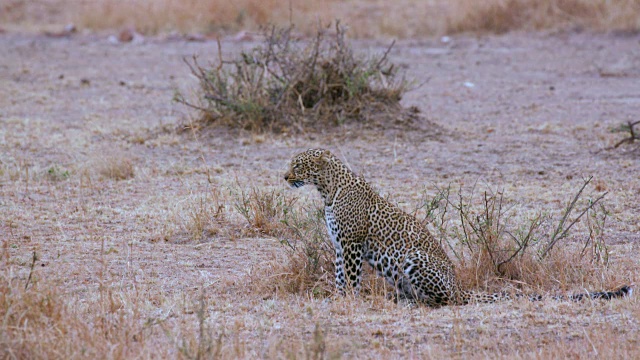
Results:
527 113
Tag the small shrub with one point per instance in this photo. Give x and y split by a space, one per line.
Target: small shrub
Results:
310 265
285 85
633 134
54 173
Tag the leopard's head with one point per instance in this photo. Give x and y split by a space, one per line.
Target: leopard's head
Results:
306 167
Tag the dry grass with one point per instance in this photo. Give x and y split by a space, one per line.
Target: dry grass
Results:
286 301
185 16
265 210
405 18
199 218
508 15
41 321
113 318
495 244
308 267
116 166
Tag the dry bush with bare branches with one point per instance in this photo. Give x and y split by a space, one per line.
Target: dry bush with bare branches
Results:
633 134
289 85
495 246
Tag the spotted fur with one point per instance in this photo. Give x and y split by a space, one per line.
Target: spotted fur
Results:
365 227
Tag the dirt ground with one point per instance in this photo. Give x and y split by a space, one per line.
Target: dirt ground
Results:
527 113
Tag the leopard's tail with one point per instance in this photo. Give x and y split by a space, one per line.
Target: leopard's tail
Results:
624 291
471 297
474 297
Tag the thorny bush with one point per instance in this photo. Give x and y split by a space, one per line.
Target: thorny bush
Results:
290 85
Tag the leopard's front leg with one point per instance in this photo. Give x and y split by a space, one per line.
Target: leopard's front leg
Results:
340 277
353 257
348 266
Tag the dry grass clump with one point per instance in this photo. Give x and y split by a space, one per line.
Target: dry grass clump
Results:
207 216
493 244
309 266
26 316
201 217
116 167
230 212
288 85
264 210
306 265
500 16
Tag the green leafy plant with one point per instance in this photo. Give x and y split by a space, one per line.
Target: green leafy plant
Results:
54 173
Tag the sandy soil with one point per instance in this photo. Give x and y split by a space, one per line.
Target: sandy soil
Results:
529 113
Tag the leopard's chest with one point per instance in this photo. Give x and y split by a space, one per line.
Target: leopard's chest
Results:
332 227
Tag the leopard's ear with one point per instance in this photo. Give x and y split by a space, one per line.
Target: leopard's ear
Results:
323 159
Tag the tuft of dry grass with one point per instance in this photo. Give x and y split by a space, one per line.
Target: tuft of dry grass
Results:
306 267
289 85
116 167
309 266
264 210
200 218
207 216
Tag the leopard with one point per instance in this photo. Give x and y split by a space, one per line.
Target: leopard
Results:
365 227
